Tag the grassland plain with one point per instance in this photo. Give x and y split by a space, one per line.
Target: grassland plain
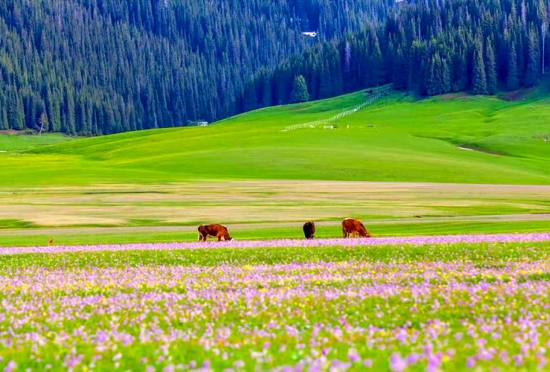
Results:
264 209
449 307
459 139
252 172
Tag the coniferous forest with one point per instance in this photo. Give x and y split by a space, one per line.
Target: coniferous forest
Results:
427 47
103 66
95 67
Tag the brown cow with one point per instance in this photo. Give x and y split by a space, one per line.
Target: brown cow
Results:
309 230
215 230
352 227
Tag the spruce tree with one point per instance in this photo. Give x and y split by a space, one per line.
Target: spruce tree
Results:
267 89
250 98
460 81
533 70
3 118
325 80
399 70
433 77
299 90
15 113
479 78
3 112
512 79
378 72
445 76
491 68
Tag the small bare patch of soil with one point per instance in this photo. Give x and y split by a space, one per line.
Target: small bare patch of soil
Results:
11 132
453 96
479 149
517 95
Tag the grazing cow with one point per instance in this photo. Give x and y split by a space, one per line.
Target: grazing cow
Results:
352 227
309 230
215 230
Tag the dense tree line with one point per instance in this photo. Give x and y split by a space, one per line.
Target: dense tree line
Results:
430 47
104 66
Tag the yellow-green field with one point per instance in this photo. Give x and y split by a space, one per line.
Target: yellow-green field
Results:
405 166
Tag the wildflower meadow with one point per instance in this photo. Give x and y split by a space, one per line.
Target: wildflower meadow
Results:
446 305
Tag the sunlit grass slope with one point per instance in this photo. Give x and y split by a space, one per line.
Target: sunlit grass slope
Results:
10 141
460 139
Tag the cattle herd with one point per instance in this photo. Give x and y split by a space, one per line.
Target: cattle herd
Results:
350 228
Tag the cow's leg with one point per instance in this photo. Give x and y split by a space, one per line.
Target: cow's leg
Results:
220 237
345 233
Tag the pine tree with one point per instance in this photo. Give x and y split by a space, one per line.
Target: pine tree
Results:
433 81
379 71
267 89
325 88
54 111
491 68
3 112
512 80
479 78
3 119
299 90
250 98
399 70
418 69
533 70
15 112
460 81
445 76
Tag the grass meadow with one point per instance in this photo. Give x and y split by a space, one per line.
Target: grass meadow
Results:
448 165
264 210
449 139
450 307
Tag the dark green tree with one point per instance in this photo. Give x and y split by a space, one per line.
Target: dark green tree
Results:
15 113
533 68
490 68
512 79
445 76
299 90
479 78
460 72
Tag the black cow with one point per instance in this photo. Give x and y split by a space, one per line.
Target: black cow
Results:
309 230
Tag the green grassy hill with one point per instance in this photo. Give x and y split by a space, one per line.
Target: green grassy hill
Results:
460 139
159 185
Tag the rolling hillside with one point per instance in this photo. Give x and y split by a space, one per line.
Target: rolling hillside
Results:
265 172
460 139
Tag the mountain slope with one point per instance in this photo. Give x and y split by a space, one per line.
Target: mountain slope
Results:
464 139
100 67
428 47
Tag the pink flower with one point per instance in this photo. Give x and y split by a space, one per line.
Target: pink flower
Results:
10 366
397 363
